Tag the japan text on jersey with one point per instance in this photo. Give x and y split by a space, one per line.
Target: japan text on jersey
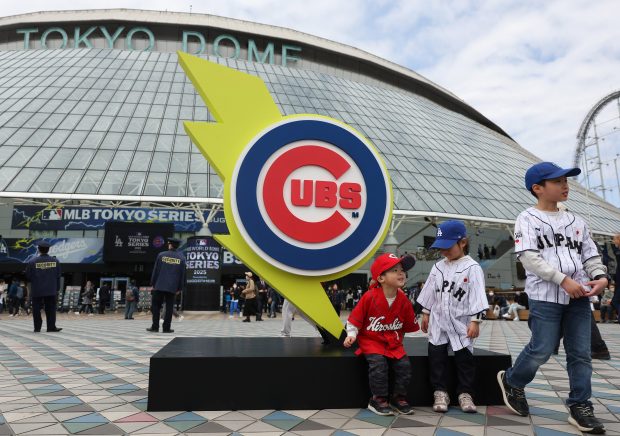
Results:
447 286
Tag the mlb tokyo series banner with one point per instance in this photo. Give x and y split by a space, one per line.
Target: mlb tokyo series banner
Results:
203 273
203 261
93 218
135 242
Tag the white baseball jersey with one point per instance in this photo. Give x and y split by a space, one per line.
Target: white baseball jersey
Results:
453 293
563 240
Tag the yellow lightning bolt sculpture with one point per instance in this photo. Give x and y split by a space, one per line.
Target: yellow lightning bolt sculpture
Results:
243 107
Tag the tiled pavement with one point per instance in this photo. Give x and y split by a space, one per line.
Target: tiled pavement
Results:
92 379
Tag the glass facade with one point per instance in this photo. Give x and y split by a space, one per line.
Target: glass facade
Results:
110 122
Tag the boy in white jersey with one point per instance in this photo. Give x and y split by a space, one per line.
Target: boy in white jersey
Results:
453 301
564 269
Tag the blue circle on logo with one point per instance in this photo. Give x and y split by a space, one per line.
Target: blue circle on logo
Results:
302 258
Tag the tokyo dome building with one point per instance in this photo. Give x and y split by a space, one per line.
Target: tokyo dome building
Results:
92 105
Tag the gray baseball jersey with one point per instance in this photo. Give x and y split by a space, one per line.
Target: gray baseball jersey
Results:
563 241
453 293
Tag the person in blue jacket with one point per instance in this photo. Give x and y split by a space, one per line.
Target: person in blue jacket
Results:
167 279
43 272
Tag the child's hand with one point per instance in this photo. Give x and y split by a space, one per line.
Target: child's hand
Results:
572 288
424 326
598 286
474 330
349 341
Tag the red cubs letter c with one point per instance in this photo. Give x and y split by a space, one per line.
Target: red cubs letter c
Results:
273 195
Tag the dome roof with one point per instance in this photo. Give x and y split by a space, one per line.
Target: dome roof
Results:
107 124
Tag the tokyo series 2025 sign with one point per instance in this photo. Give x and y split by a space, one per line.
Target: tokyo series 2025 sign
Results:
307 198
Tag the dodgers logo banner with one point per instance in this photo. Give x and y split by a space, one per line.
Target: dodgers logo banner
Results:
307 198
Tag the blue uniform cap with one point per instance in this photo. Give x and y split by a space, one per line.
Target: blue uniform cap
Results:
43 244
449 233
175 241
547 171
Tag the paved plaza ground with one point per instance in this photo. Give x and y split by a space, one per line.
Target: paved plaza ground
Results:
92 378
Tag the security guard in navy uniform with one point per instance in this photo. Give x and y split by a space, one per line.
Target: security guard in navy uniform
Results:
167 279
43 272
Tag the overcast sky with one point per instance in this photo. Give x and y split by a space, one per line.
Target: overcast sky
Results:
533 67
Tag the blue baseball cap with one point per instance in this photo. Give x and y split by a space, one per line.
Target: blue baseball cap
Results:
547 171
449 233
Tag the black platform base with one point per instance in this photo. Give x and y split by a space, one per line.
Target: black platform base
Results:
287 373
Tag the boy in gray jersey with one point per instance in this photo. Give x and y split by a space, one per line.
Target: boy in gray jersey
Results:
564 269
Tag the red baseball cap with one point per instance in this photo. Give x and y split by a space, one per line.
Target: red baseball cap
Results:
388 261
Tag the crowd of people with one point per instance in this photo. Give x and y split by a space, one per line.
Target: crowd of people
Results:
484 252
14 297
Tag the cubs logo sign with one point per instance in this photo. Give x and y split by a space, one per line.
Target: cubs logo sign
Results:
307 198
303 203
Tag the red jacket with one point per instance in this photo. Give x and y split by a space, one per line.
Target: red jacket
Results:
382 328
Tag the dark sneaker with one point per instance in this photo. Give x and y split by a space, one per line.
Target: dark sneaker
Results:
152 330
601 355
400 404
380 406
582 417
514 398
55 329
168 331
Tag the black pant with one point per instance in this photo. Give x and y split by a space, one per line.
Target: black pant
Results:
378 374
615 302
49 303
597 344
10 302
17 303
465 369
259 306
159 298
102 305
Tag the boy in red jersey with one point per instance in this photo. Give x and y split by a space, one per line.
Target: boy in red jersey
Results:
379 323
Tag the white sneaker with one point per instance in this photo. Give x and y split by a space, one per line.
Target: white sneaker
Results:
506 316
77 313
181 318
230 317
442 401
516 318
467 403
90 314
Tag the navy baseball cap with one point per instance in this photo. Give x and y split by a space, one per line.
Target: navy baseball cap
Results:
449 233
43 244
547 171
174 241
